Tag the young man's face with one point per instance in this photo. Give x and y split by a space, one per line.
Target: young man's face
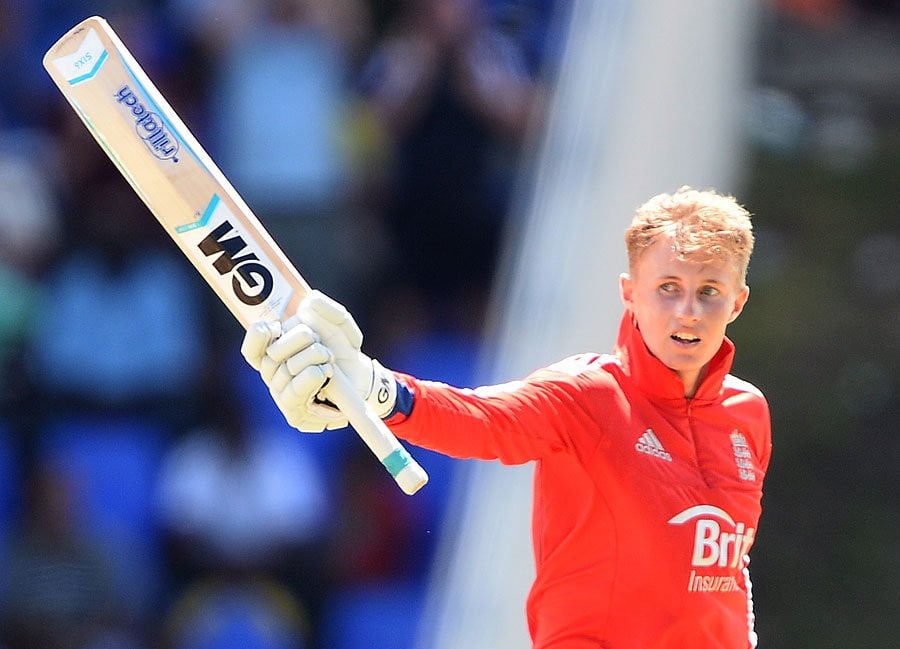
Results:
683 307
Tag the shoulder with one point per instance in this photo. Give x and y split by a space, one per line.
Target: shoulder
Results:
580 372
582 363
735 384
747 404
737 391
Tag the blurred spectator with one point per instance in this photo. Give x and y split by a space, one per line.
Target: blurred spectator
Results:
12 469
453 91
824 13
101 342
829 14
279 99
113 462
235 501
379 534
20 98
58 591
29 227
236 614
377 559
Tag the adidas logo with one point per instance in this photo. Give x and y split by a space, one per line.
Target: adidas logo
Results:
649 443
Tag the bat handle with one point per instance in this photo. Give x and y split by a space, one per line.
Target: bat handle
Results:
375 433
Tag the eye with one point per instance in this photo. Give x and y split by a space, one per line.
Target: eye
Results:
709 291
668 287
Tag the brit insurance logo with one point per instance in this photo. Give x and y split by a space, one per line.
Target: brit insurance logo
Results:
719 542
149 126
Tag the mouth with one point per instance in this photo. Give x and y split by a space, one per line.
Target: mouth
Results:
683 338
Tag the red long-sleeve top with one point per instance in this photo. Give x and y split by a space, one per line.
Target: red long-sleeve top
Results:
645 504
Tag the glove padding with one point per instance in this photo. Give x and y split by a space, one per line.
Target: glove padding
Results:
294 392
298 364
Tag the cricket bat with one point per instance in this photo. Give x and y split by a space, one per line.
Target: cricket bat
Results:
196 204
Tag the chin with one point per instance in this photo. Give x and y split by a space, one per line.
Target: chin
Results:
684 365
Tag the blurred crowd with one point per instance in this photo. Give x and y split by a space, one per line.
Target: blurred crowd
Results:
151 495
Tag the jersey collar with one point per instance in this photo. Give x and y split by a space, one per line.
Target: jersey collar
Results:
659 382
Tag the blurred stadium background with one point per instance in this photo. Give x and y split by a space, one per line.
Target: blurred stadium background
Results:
450 170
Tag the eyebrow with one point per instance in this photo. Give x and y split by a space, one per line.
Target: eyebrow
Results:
679 278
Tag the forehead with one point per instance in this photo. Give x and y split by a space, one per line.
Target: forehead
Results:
663 259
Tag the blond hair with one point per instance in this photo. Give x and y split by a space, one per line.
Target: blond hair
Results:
704 225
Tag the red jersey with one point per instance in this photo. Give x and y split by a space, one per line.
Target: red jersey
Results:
645 504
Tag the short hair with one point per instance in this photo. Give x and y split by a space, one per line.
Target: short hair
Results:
704 225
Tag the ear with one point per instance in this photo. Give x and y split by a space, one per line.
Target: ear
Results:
739 303
626 290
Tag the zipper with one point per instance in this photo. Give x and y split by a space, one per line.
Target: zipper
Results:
690 425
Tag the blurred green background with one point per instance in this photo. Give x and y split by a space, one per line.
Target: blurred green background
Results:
822 331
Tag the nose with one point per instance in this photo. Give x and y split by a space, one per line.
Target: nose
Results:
689 308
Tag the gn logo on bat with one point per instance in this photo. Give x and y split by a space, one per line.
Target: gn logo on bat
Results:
233 256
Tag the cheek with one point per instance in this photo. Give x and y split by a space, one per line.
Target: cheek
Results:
652 317
720 312
656 307
640 310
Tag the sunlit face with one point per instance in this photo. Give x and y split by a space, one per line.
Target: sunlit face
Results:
683 307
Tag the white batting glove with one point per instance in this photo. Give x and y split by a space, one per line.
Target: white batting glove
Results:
294 382
297 364
340 334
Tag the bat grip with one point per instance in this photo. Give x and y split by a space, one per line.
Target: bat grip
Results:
375 433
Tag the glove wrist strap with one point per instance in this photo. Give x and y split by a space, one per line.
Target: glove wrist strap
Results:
383 393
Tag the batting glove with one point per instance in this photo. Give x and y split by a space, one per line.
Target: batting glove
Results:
294 382
296 361
340 334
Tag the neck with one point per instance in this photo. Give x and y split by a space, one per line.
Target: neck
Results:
692 381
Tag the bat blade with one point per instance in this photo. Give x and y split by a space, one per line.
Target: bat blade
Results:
173 174
195 203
